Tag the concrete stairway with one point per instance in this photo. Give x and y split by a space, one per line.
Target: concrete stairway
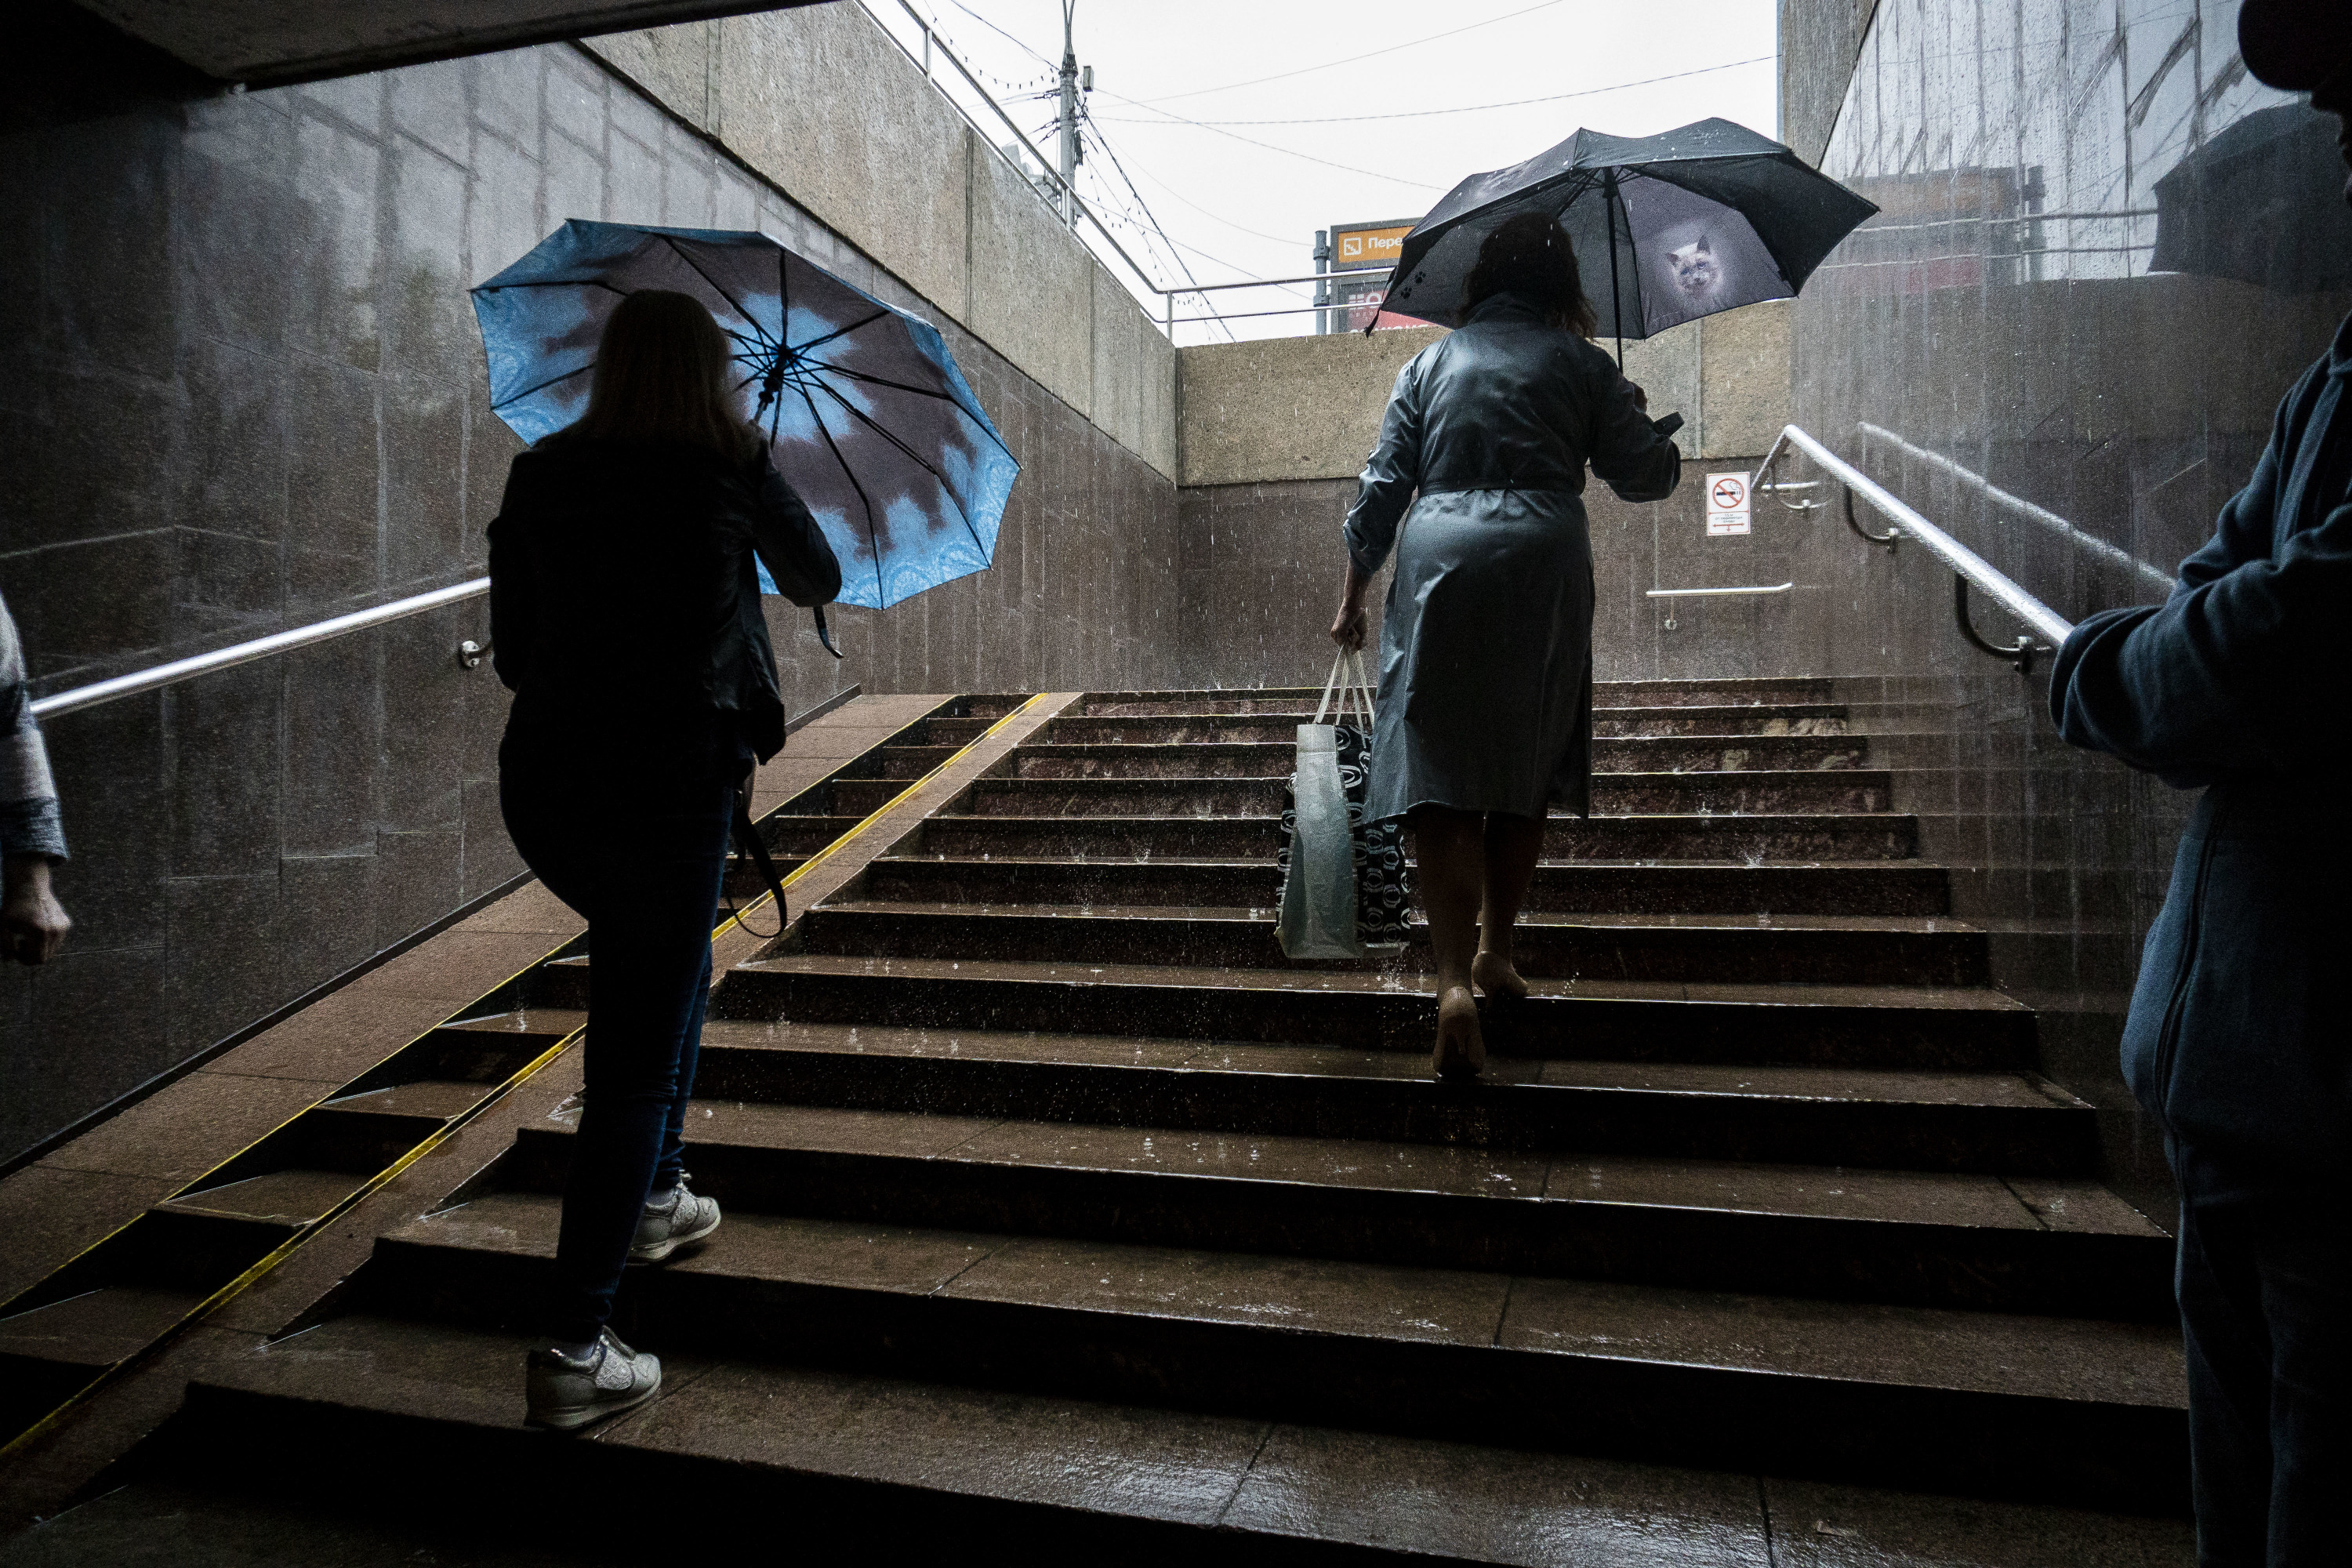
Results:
1058 1201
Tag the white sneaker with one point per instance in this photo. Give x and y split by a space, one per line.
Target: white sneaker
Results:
565 1392
670 1225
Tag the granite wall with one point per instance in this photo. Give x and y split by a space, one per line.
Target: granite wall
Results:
2056 296
241 390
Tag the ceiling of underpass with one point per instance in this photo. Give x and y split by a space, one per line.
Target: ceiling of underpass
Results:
285 40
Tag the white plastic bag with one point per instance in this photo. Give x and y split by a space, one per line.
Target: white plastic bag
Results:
1319 887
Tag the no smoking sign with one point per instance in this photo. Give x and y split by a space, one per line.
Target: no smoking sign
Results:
1727 504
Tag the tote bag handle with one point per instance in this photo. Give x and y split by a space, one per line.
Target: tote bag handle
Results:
1347 680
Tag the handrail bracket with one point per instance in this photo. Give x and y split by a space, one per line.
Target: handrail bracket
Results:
2021 656
1888 539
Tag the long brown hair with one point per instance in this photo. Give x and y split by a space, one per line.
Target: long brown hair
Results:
664 377
1529 256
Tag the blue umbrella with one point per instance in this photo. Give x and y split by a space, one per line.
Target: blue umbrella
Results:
865 410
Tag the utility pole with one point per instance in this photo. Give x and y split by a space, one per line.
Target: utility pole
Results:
1072 154
1322 289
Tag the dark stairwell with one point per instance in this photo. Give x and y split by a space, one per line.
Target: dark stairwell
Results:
1059 1203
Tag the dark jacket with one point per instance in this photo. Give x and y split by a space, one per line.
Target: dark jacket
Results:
1504 403
2239 1037
624 595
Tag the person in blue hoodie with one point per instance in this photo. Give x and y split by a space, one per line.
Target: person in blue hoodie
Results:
2240 1035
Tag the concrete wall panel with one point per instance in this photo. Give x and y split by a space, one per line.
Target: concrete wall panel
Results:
1134 382
1288 408
1032 283
678 66
821 102
1744 370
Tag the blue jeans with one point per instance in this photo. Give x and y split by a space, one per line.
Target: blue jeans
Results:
640 856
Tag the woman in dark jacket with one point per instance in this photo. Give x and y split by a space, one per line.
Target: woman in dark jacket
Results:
625 614
1484 719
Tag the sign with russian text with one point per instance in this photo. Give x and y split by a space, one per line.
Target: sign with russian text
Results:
1352 248
1727 504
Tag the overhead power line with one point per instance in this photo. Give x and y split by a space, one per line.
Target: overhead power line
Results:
1000 33
1175 118
1103 141
1351 59
1213 218
1420 113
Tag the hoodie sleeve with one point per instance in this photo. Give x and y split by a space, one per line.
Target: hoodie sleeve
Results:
2234 672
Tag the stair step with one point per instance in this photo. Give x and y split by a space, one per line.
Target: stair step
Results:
1745 691
437 1098
1935 1238
291 1197
97 1328
1080 874
804 835
857 799
1980 1401
1787 719
1729 840
871 1468
1853 1026
1993 1121
1860 950
1721 792
1243 759
541 1023
902 763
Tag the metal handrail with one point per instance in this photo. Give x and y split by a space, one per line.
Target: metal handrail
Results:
1967 567
1969 480
469 654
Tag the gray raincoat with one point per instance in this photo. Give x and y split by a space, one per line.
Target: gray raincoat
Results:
1486 684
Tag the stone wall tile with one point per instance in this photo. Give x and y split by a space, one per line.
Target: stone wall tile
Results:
333 729
336 280
506 98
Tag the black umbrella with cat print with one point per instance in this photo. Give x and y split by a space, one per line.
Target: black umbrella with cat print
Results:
1667 228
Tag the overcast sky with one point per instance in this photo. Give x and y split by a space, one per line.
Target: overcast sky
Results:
1295 133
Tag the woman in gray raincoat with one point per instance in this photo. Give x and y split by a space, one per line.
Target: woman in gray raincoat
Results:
1484 719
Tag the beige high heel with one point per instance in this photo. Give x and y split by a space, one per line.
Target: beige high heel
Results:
1461 1046
1498 976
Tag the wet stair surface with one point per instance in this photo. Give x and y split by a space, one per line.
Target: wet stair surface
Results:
1052 1188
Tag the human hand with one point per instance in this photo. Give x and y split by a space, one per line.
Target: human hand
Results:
1641 398
1348 627
33 924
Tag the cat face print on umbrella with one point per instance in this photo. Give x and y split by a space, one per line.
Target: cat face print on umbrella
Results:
865 410
1667 228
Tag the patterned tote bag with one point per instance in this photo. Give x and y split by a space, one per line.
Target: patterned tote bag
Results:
1318 919
1384 897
